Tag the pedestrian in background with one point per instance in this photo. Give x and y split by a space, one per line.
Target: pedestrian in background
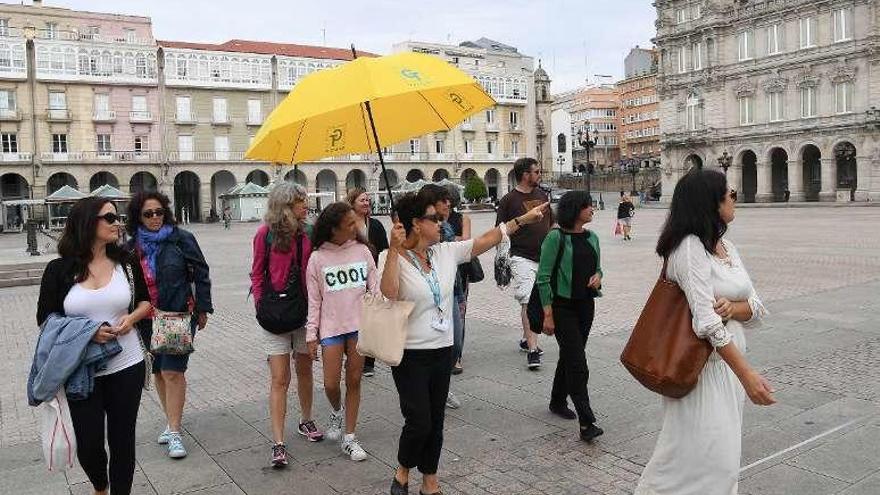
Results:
340 271
374 232
625 211
179 281
281 242
525 246
699 447
569 278
461 226
419 268
93 278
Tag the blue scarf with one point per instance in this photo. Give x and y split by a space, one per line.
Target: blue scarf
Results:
149 242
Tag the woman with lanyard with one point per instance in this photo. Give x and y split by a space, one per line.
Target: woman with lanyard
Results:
419 268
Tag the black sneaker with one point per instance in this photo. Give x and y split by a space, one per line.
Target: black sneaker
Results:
398 489
563 411
524 347
589 433
369 371
534 360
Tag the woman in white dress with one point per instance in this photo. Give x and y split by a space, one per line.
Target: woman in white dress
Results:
698 450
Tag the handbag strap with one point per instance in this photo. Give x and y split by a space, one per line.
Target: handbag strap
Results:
292 273
663 270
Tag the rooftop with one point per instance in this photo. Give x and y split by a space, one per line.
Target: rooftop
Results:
269 48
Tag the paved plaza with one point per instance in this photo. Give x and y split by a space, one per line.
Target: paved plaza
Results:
817 269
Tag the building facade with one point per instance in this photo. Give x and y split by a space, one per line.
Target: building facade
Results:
639 131
782 93
596 110
88 99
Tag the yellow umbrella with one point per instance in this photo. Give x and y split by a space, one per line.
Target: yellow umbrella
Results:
356 106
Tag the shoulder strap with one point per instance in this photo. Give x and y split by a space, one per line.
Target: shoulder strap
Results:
130 276
663 270
268 250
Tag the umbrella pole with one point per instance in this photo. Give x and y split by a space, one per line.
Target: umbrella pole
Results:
378 146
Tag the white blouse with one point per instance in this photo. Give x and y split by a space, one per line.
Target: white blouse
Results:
704 278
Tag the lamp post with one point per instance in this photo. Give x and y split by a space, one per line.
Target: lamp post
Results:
632 166
584 141
724 162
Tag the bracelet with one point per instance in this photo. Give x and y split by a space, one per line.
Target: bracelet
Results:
516 221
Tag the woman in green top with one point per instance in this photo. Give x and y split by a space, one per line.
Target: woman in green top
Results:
569 278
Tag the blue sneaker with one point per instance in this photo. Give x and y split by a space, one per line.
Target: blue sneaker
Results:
176 449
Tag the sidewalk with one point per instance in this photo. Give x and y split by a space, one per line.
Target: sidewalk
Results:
823 437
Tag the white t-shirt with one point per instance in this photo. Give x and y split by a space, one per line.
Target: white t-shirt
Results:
109 303
445 258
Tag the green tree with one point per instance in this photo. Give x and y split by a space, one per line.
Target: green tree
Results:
475 189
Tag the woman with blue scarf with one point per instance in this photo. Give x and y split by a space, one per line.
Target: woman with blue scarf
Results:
178 281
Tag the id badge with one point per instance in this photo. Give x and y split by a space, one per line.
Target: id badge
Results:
440 323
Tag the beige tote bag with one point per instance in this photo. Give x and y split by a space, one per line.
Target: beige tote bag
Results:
383 328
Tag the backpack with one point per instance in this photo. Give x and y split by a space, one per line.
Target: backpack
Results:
286 310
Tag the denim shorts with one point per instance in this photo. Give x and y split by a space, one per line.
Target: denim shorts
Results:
339 339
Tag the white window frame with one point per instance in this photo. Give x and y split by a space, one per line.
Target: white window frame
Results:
9 142
255 111
697 55
184 110
185 153
139 104
774 39
514 147
681 16
844 92
51 30
220 110
8 100
103 144
809 102
746 45
694 116
439 146
696 11
842 20
682 59
468 146
775 108
490 116
415 146
491 144
221 147
746 110
60 100
807 29
59 143
4 27
140 144
514 119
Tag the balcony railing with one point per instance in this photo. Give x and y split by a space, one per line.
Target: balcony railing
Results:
140 116
55 34
58 115
185 118
254 120
69 156
514 127
10 114
15 157
205 156
492 126
104 116
220 120
467 126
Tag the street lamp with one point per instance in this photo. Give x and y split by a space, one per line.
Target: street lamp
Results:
584 141
632 166
724 161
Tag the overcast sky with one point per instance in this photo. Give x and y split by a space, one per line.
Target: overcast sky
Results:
575 39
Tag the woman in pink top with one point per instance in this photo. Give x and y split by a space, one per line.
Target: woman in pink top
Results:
340 271
284 229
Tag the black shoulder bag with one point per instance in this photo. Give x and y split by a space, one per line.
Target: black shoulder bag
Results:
284 311
534 309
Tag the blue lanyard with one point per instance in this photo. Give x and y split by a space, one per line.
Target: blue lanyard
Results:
433 283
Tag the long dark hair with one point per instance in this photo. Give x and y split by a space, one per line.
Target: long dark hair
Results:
136 204
79 236
570 207
694 211
329 219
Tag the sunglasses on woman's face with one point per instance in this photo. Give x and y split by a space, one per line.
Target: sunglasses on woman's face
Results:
732 194
111 218
436 218
158 212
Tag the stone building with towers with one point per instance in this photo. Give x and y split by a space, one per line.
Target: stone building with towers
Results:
782 94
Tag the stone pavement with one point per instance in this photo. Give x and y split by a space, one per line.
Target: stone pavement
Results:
817 269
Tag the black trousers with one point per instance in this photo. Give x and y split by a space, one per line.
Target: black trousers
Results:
422 381
573 319
118 398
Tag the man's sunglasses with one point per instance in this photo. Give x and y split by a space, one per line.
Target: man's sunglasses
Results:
733 195
111 218
436 218
158 212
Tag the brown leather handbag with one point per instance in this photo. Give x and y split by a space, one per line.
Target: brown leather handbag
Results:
663 352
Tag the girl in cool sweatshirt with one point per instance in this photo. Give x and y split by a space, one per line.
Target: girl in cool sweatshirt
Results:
341 269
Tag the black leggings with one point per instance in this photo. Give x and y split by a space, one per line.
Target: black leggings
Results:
422 380
573 319
118 397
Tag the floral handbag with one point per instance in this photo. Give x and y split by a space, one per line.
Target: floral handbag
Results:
172 333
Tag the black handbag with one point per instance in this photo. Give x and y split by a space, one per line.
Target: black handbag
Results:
283 311
474 271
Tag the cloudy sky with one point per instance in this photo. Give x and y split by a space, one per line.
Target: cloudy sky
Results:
575 39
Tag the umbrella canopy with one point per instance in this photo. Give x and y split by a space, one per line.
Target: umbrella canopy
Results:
65 194
335 111
110 192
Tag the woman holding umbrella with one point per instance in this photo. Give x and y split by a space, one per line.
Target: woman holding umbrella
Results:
419 268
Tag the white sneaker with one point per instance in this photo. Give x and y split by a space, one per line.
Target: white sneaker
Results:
352 448
452 401
164 436
334 428
176 450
